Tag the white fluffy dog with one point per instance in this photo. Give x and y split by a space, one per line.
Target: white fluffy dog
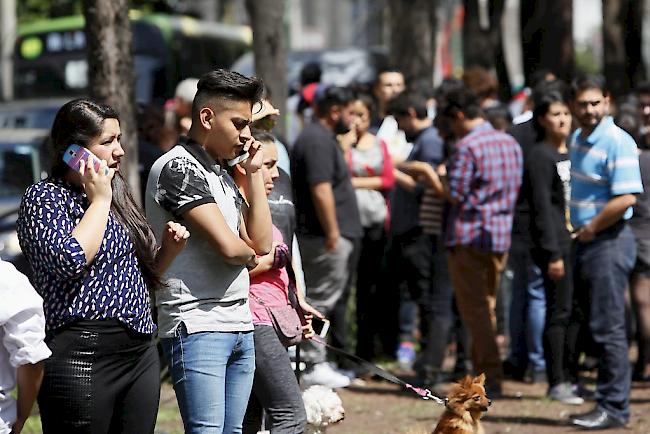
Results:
323 407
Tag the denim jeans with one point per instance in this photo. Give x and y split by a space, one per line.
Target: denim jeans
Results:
602 269
212 374
527 310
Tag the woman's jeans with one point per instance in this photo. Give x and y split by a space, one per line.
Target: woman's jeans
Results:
527 311
212 374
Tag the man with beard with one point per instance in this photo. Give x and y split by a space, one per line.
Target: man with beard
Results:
605 178
327 218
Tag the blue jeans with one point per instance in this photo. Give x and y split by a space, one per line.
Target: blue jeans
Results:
602 269
212 374
527 310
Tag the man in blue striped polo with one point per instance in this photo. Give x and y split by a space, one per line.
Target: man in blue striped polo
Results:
605 177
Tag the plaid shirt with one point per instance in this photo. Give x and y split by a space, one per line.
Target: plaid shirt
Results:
485 173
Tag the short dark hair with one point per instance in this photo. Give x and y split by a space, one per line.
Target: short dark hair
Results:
310 73
461 99
332 96
228 85
446 86
263 136
539 76
499 116
545 87
385 70
588 81
400 105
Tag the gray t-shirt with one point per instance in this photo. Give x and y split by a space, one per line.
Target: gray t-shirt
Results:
202 290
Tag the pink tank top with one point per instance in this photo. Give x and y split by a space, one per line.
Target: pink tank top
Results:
270 286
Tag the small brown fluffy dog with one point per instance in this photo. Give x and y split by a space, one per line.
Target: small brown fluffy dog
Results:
466 403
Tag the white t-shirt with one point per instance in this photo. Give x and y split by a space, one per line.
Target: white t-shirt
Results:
22 333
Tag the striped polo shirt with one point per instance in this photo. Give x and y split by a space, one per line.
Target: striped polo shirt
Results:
604 165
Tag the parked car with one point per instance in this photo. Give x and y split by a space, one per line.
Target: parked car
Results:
30 113
24 160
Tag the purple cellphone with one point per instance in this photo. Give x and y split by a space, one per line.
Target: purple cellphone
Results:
75 153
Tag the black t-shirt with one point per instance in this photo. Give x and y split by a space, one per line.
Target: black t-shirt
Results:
547 173
640 221
526 136
317 158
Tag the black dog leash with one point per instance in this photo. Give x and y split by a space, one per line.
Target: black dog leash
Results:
422 393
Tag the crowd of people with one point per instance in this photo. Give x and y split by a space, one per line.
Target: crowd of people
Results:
454 219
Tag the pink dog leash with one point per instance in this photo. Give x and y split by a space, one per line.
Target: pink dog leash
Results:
421 392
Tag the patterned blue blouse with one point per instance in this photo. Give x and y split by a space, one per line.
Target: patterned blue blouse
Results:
112 285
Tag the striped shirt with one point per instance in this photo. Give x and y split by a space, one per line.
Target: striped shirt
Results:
604 165
485 173
432 210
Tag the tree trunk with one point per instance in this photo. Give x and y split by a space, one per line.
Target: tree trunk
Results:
482 40
635 68
269 47
482 45
413 38
623 66
547 37
111 74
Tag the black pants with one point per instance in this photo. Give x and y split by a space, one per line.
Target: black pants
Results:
560 331
370 272
101 378
438 309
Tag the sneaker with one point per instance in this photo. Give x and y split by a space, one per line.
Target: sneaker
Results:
579 390
323 374
563 393
406 355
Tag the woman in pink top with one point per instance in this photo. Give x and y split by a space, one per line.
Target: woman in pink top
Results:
275 387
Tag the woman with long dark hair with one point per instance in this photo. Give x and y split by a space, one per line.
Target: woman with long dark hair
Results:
95 260
371 171
548 170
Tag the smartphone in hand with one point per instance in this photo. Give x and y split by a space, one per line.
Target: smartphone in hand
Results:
320 326
75 153
238 159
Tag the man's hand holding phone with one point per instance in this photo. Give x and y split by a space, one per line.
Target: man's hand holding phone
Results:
255 158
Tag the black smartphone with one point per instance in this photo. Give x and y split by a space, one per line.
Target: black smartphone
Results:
321 326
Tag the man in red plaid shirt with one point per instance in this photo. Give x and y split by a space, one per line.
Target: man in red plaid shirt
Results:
484 176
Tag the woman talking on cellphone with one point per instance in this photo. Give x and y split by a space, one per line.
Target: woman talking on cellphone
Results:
95 260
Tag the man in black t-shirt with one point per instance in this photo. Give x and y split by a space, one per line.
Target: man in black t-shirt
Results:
328 224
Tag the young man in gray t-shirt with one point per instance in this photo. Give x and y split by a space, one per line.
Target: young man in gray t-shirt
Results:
203 314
